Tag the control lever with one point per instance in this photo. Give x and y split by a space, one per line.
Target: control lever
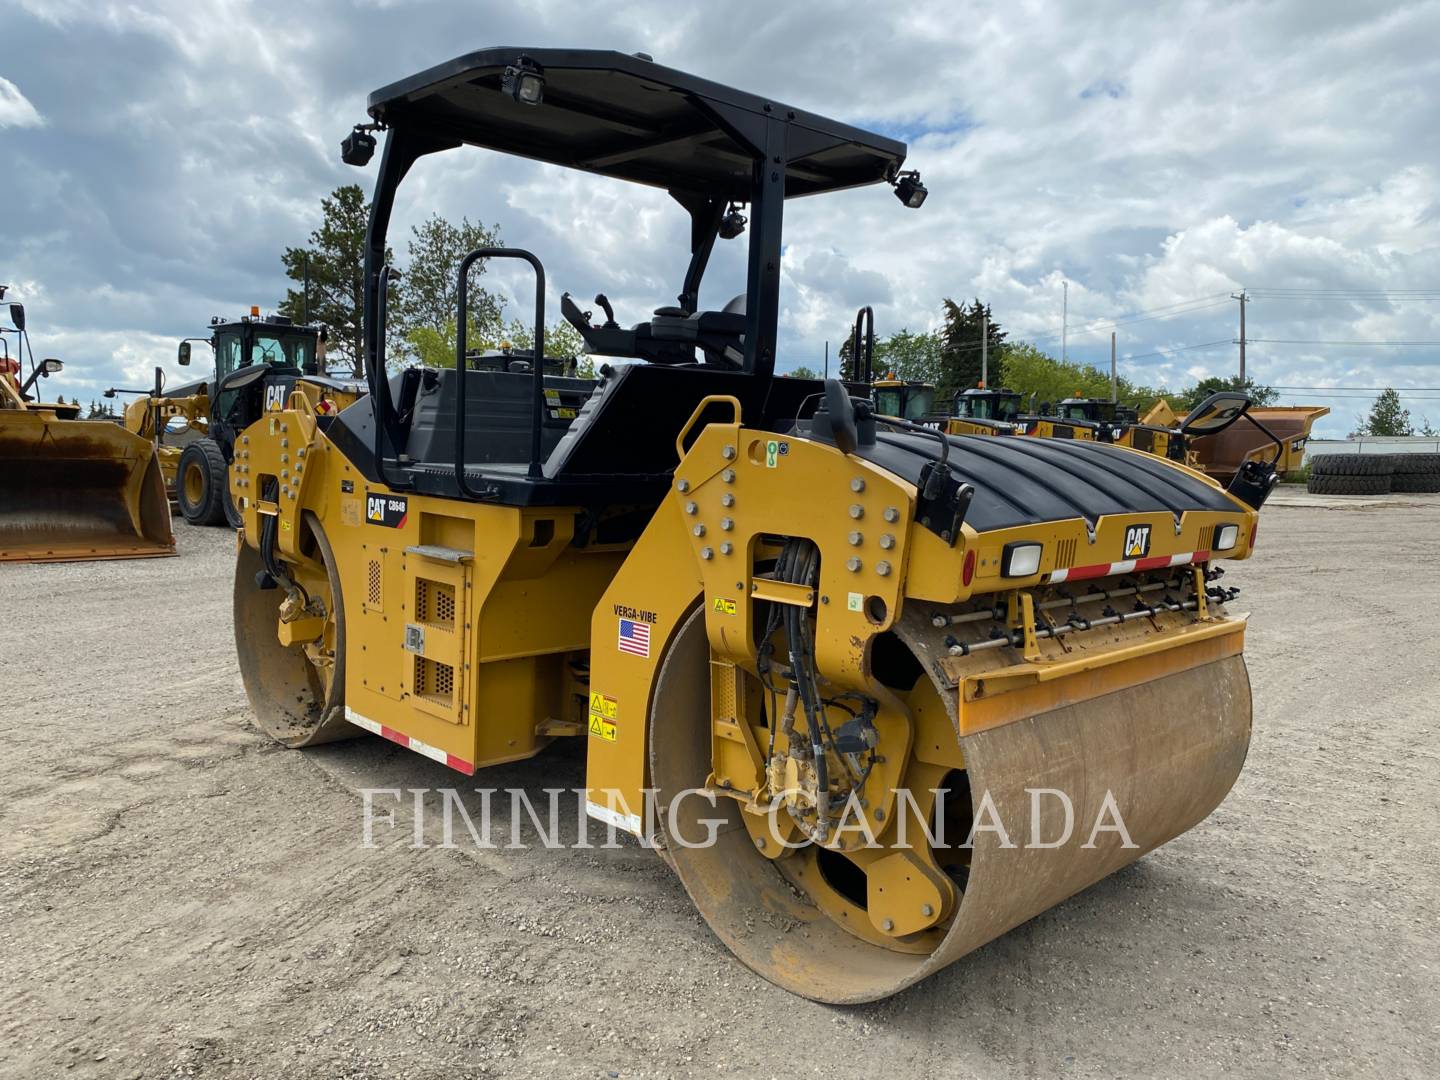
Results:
604 304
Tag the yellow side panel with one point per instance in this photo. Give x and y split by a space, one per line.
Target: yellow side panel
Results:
657 586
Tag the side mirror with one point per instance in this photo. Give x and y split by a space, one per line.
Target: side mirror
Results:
1216 413
50 366
17 316
184 357
842 416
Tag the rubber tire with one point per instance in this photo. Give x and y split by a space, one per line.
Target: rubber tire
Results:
233 517
1351 465
1413 464
1426 483
1347 485
208 508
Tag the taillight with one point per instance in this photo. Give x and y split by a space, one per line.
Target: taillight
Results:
1255 528
967 572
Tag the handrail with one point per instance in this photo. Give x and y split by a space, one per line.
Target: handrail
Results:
865 373
462 372
379 385
705 403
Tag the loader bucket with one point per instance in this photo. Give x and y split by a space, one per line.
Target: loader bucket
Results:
78 490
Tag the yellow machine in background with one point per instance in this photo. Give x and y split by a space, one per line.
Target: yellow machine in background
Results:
803 642
154 416
72 489
258 361
981 411
1222 455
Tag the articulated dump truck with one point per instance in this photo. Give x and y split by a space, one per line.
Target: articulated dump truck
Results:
810 649
73 489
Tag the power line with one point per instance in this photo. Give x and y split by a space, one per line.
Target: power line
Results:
1169 311
1424 294
1398 389
1181 348
1306 341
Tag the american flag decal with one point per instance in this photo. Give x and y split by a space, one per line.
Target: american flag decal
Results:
635 638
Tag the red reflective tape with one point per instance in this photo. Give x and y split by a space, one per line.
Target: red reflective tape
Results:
1077 573
1127 566
395 736
459 766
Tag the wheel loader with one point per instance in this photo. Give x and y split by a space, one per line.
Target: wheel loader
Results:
816 655
71 489
256 360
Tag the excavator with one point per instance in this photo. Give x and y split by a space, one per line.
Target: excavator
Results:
71 489
821 659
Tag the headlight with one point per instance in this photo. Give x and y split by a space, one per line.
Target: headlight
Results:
1020 559
1226 537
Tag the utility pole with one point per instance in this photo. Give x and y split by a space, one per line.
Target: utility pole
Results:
305 306
1065 325
827 359
1114 374
1243 301
985 352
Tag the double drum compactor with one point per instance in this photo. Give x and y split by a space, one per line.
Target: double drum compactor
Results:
824 625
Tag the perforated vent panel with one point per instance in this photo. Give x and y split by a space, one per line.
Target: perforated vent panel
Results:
435 603
373 591
435 682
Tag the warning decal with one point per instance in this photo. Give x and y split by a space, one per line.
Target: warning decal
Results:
603 712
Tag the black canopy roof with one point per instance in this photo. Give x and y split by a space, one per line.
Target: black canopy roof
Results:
630 118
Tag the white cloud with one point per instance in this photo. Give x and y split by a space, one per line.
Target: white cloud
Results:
15 108
1149 156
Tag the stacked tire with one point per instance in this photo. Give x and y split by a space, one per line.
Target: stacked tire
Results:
1417 473
1350 474
1374 474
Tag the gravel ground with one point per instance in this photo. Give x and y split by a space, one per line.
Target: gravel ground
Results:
181 898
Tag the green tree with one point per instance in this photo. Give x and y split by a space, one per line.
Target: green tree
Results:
436 347
1260 395
960 341
430 298
845 360
1029 371
334 264
1386 416
1426 430
562 341
910 356
803 372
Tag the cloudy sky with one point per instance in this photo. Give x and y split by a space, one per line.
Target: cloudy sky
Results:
159 156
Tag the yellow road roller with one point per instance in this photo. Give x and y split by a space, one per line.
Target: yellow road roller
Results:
877 694
72 489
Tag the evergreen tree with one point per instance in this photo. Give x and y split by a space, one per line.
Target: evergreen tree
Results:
1386 416
335 265
960 348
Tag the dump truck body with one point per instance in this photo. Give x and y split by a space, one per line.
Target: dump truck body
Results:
1221 455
